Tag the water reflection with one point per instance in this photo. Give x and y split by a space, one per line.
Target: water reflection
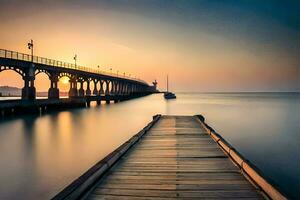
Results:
41 155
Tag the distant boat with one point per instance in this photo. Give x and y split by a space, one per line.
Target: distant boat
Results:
169 95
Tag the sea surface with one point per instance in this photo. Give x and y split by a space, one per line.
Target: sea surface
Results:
40 155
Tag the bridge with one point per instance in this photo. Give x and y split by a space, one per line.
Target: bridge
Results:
105 84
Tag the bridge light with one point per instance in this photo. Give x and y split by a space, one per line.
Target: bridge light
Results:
75 59
30 46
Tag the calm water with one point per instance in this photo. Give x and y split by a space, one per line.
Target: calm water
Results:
39 156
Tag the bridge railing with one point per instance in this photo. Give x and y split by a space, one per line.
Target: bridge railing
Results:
46 61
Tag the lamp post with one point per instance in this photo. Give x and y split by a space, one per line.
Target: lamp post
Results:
30 46
28 91
110 70
75 59
117 73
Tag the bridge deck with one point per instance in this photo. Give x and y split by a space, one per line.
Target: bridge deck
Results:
176 159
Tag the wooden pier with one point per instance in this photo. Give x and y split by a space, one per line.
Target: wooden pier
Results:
174 157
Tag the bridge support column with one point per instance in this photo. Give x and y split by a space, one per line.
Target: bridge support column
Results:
101 91
117 92
81 90
113 87
118 88
73 88
88 91
95 91
126 88
130 89
53 92
28 91
133 89
107 87
142 89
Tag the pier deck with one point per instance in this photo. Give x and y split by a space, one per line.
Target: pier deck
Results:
175 159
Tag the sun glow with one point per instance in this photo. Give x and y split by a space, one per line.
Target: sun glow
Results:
65 80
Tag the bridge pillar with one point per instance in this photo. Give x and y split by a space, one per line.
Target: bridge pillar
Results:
107 87
113 87
73 92
126 88
101 91
81 90
53 92
133 88
117 88
88 91
120 92
130 89
142 89
95 91
28 91
120 88
136 89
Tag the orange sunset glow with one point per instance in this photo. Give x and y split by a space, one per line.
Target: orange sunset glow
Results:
198 55
149 99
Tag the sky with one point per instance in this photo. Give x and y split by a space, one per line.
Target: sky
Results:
203 45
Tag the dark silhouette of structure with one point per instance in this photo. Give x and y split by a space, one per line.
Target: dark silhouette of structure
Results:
107 86
28 66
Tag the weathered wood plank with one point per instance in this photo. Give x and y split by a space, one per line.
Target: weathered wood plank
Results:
176 193
176 159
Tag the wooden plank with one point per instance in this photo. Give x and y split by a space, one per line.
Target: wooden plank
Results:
176 159
177 194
